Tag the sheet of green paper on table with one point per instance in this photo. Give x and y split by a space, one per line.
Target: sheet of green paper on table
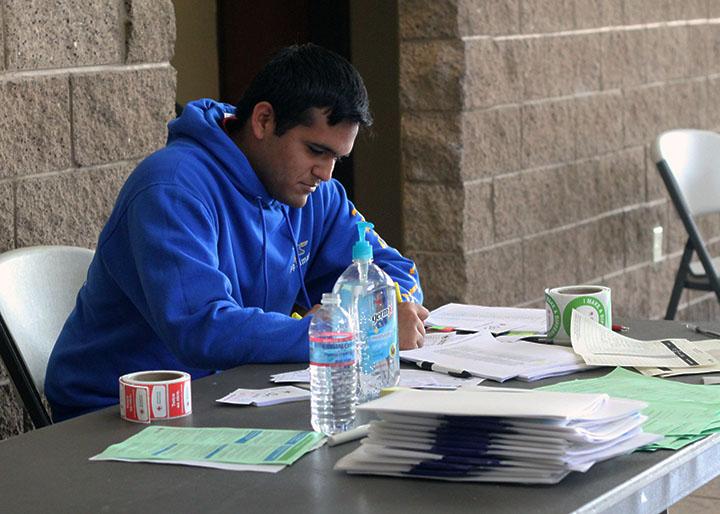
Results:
245 446
682 412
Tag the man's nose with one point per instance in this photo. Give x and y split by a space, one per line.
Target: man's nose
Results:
324 171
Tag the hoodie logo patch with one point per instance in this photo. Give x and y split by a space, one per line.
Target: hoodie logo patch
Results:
301 251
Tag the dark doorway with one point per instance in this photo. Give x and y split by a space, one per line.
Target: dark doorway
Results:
250 31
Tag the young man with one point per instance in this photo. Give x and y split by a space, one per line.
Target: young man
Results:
216 237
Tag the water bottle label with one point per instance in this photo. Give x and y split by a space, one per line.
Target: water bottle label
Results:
381 346
332 349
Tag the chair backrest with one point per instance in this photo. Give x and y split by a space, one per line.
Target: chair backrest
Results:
38 289
693 159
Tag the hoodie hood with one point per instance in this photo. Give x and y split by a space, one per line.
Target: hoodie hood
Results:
202 122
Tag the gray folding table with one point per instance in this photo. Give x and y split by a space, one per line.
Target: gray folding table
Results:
48 470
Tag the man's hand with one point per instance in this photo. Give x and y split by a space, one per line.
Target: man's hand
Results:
411 329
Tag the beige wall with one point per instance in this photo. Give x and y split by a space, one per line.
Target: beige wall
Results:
525 128
374 52
196 54
86 91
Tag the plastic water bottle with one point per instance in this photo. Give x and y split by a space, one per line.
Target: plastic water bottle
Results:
333 372
368 294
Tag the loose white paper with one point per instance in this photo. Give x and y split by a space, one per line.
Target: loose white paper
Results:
601 346
413 378
712 346
495 319
263 397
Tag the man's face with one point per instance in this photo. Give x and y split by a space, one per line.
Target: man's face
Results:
293 164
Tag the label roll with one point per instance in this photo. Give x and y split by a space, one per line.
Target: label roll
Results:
592 301
149 395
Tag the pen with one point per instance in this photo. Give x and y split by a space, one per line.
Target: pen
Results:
537 339
349 435
397 293
438 328
704 331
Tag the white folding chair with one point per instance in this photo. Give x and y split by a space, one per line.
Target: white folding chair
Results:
689 163
38 288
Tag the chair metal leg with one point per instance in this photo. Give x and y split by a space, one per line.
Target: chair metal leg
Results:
680 279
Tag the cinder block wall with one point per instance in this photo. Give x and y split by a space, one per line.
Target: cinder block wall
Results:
525 128
86 91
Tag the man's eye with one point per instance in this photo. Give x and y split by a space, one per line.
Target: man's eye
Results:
316 151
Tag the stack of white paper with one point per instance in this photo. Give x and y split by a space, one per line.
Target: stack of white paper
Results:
495 436
494 319
482 355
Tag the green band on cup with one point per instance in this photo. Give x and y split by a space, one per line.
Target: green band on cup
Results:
555 327
584 301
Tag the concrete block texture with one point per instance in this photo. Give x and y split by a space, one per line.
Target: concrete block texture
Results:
560 15
600 247
7 217
539 200
650 110
431 75
630 293
549 260
548 134
478 216
491 142
2 38
151 30
422 19
35 125
668 52
651 11
591 14
622 176
492 73
561 65
11 414
547 16
712 107
432 146
713 47
41 34
454 147
446 218
444 277
122 114
435 212
598 124
622 58
480 17
69 208
493 275
639 224
661 277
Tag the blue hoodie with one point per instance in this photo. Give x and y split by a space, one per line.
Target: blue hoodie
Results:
196 269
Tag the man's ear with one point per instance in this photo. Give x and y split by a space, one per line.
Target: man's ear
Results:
262 120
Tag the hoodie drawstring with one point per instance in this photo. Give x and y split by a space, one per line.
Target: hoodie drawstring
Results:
297 258
264 251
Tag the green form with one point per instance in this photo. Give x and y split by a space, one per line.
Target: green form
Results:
683 413
228 448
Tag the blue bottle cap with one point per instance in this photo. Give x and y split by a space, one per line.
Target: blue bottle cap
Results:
362 249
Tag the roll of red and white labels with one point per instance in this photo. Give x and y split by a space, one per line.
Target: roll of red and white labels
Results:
146 396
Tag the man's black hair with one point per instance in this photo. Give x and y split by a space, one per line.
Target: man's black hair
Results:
301 77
